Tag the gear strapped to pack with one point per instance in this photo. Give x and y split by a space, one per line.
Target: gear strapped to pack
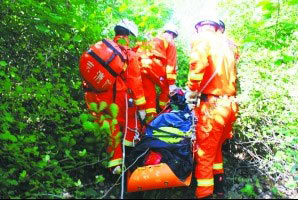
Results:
101 65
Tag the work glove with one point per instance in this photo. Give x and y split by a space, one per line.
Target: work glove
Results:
150 117
191 98
191 106
172 89
117 170
142 114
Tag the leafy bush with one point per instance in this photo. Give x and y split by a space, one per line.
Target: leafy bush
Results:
266 129
45 149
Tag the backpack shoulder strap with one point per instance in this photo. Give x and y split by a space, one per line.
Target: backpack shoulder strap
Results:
114 49
102 62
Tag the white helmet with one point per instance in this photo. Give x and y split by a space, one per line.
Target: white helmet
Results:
129 25
171 28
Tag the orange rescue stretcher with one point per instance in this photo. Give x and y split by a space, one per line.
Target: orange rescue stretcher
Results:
154 177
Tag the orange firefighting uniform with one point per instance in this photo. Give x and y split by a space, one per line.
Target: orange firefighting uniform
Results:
128 86
158 66
218 109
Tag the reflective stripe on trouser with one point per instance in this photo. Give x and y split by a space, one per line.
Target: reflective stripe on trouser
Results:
210 133
227 134
204 187
218 168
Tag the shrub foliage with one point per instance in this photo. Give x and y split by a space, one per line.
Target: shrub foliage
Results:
49 145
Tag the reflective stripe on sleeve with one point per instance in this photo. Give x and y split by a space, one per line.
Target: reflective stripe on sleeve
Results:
151 110
162 103
115 162
140 101
196 77
128 143
171 76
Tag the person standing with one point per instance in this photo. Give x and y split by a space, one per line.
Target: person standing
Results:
211 91
127 92
158 59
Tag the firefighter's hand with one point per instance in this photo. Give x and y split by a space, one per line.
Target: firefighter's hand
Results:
142 114
117 170
172 89
191 106
191 98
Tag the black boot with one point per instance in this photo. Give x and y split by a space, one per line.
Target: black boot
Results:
135 195
219 185
208 197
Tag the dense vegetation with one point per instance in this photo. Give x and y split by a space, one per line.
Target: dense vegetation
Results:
47 151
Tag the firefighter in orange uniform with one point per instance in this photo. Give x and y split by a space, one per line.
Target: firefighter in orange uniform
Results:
158 59
211 82
127 93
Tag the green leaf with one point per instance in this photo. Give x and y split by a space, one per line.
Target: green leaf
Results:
84 117
88 126
293 2
78 183
12 182
123 7
106 127
93 107
114 122
77 38
43 28
99 179
8 117
274 190
8 136
46 158
102 106
248 190
3 63
114 110
263 3
23 174
72 142
83 153
65 139
68 154
19 89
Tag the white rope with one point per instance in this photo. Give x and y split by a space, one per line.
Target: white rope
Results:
123 174
137 134
123 148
